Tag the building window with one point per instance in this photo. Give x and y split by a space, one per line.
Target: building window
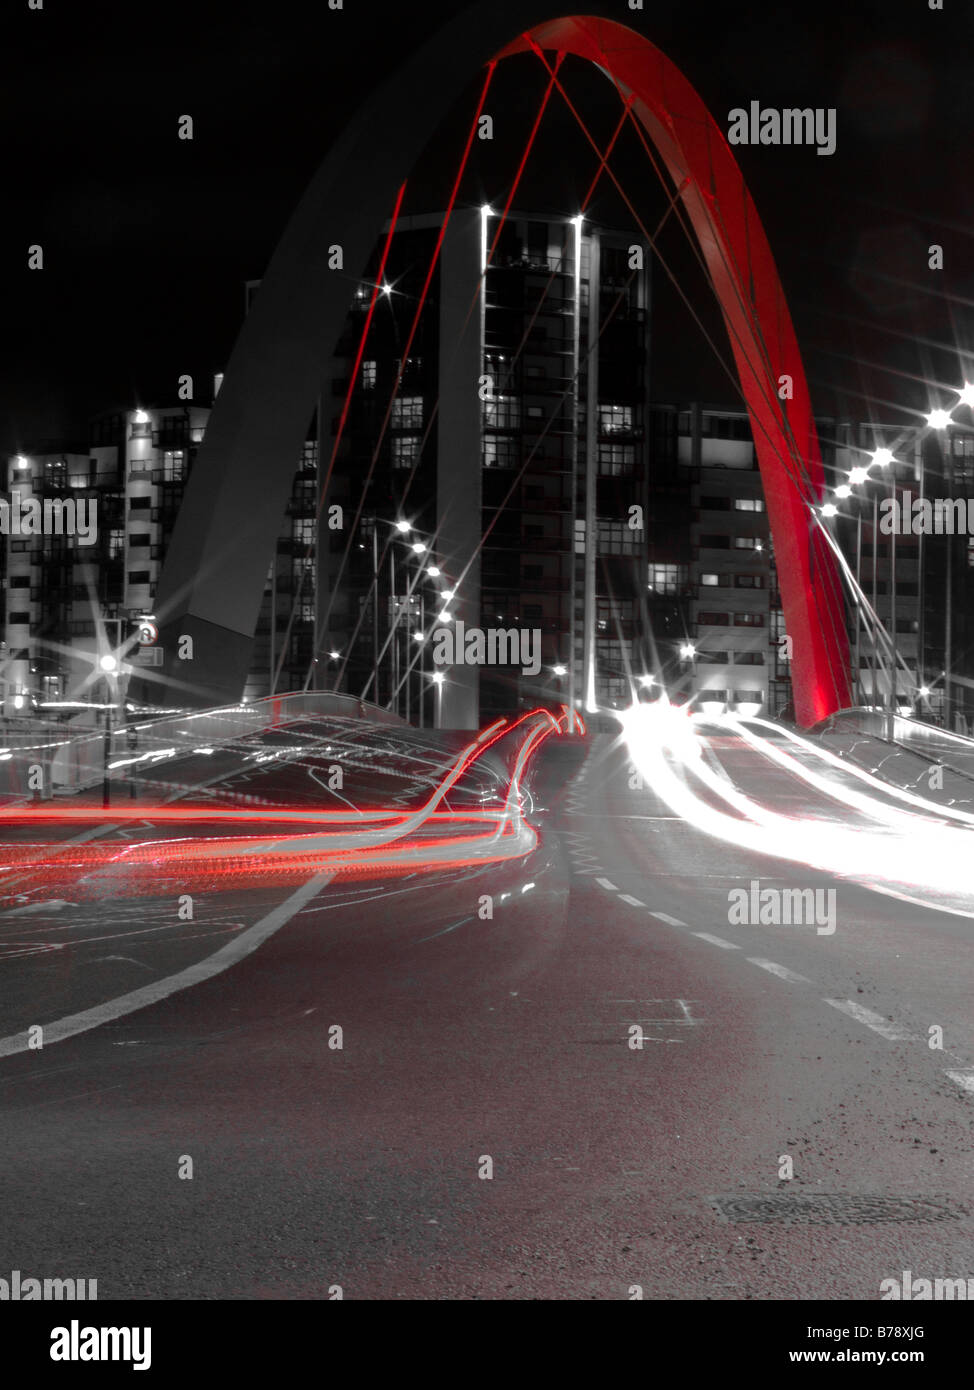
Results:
173 465
405 450
714 581
715 504
369 374
615 419
141 538
749 697
747 543
713 658
20 617
711 541
748 504
667 579
407 413
501 451
749 658
708 619
749 620
616 460
617 538
502 413
303 530
140 504
139 577
116 544
749 581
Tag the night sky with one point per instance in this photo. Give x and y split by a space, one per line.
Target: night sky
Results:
148 239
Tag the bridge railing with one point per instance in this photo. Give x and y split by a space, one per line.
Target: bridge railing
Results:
52 767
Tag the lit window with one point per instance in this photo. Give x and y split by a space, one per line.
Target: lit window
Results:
667 579
502 413
405 450
748 504
501 451
746 542
615 419
407 412
616 460
173 466
369 372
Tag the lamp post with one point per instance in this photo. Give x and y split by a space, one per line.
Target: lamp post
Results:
109 665
438 680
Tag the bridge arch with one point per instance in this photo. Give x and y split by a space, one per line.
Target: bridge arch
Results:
213 577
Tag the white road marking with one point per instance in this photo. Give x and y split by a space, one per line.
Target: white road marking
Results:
893 1032
963 1078
633 902
243 945
670 921
779 970
606 883
717 941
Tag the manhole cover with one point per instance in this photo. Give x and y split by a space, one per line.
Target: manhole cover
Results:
829 1209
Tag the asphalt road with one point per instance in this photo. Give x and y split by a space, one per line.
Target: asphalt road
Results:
486 1128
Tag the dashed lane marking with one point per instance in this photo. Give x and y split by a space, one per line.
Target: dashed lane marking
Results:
783 974
670 921
893 1032
964 1079
633 902
717 941
607 884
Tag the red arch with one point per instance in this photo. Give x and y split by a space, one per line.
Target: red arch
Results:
742 270
212 582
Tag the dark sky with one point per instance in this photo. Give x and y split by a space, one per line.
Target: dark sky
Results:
148 239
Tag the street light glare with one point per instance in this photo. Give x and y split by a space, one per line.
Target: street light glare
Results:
858 475
559 670
688 651
334 655
449 593
108 663
403 526
882 457
830 509
938 419
433 571
843 490
419 548
647 681
967 395
438 678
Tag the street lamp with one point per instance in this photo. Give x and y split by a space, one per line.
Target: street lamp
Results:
438 680
939 419
687 651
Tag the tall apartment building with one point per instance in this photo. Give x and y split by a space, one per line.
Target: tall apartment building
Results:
520 421
131 473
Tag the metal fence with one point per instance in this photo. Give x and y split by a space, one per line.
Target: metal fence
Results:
53 766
